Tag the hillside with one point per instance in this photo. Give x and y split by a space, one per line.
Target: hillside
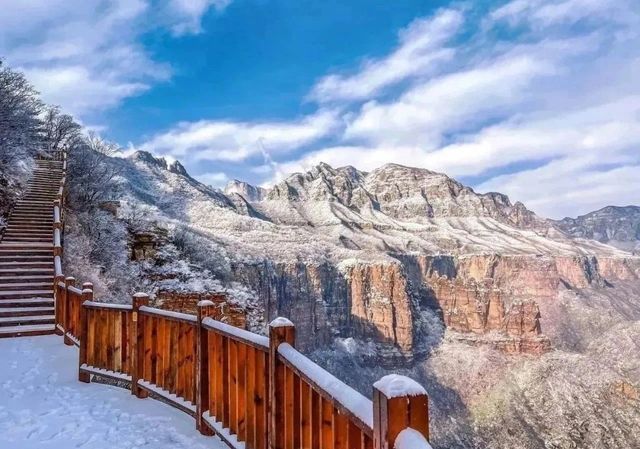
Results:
404 267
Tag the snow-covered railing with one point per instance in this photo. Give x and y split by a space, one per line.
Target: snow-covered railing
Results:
165 349
254 392
64 320
68 303
105 343
233 382
319 410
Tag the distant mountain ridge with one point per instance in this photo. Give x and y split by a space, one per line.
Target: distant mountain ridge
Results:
618 226
396 190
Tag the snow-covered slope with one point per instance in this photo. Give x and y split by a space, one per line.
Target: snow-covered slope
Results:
403 209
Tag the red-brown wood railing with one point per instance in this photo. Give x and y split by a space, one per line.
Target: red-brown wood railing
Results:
252 391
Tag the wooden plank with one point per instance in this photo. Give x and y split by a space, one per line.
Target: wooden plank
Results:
260 399
110 339
397 418
316 419
173 356
378 404
233 386
160 355
154 350
166 382
340 429
148 350
242 386
368 442
226 414
181 356
117 341
305 415
354 436
296 411
219 382
326 439
126 343
288 409
103 334
211 369
419 414
250 375
91 338
190 366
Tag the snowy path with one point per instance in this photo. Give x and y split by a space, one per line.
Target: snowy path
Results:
43 406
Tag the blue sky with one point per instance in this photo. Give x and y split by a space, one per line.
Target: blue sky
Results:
538 99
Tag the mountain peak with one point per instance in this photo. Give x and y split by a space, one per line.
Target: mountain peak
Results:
177 168
148 158
247 191
161 162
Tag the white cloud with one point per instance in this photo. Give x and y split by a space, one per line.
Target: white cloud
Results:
215 179
420 49
569 187
186 15
423 114
237 141
544 13
86 55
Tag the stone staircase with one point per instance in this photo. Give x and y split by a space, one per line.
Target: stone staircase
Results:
26 258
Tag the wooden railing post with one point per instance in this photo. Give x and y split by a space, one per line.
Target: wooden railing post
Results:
399 403
137 344
68 282
87 295
59 304
205 309
281 330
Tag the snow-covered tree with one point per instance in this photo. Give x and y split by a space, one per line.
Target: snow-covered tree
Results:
91 178
59 130
20 130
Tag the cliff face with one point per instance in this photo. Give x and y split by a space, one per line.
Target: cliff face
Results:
365 300
500 295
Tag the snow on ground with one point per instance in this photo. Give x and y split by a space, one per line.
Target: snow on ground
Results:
43 406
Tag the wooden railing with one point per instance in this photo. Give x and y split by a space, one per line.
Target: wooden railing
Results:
254 392
53 155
